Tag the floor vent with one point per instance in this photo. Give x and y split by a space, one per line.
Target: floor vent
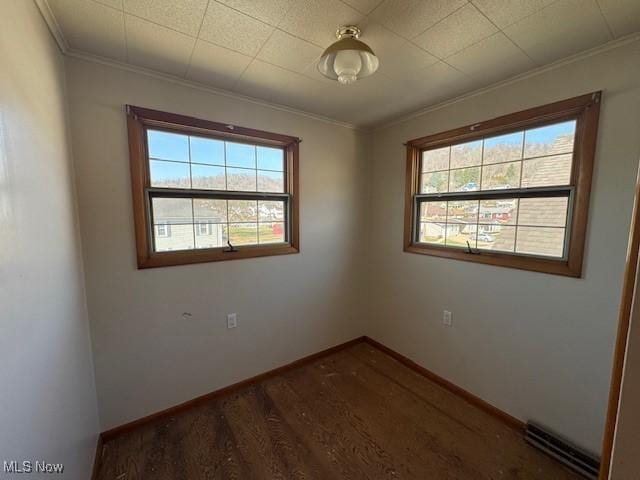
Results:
573 457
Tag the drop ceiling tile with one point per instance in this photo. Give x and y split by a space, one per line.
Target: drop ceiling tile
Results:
262 80
345 101
409 18
559 30
493 59
185 17
217 66
439 79
156 47
303 93
397 56
268 11
289 52
505 12
462 28
231 29
317 20
405 60
91 27
363 6
623 16
112 3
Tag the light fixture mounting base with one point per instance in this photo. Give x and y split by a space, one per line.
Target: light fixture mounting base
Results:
348 31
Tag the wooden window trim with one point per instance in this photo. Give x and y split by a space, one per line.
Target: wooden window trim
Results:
585 110
138 120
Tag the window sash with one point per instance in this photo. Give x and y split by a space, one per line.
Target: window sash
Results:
515 193
155 192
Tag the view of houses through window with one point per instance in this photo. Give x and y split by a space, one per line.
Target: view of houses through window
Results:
188 162
531 160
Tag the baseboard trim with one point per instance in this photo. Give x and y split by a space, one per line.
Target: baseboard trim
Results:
108 435
119 430
453 388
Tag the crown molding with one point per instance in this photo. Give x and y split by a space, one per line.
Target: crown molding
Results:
52 23
612 45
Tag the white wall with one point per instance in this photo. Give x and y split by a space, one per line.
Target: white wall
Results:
147 357
47 400
535 345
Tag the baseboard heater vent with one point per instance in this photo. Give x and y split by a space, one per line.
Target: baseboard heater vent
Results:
571 456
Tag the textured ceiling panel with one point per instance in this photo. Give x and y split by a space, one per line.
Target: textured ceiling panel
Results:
429 50
231 29
184 17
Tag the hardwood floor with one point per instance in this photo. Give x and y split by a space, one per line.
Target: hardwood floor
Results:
356 414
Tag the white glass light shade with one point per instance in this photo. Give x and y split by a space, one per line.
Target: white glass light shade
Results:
347 60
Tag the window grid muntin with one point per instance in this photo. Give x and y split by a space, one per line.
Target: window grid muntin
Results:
526 129
191 193
516 194
255 145
206 195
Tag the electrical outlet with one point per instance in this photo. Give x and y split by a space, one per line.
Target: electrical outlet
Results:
446 318
232 320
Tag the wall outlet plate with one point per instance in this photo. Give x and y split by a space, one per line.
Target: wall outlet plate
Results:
232 320
446 318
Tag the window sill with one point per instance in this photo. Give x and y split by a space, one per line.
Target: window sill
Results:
542 265
186 257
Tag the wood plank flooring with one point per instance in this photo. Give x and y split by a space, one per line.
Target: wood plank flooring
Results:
356 414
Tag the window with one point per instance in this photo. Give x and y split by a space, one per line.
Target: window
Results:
163 230
512 191
204 191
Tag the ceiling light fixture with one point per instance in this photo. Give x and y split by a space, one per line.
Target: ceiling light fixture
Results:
348 59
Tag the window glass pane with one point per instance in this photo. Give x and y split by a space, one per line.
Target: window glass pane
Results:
180 237
435 182
172 210
465 180
437 159
496 237
466 154
504 148
168 146
503 211
207 178
169 174
550 140
210 211
462 219
501 176
269 181
545 241
547 171
465 211
243 210
544 212
241 155
433 211
207 150
432 232
270 158
241 179
243 233
458 234
271 232
270 211
210 235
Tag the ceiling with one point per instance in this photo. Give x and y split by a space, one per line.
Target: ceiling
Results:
429 50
